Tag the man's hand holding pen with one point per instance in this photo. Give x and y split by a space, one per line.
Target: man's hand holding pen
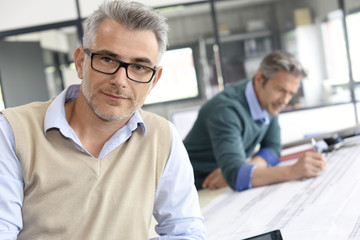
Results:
309 165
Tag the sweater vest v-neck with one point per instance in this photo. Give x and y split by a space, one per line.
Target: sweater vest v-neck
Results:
71 195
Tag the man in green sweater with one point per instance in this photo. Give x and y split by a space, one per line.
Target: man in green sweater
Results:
222 141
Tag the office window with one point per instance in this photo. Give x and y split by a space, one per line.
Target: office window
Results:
292 26
179 80
189 25
244 40
337 65
248 30
353 21
52 53
320 47
334 41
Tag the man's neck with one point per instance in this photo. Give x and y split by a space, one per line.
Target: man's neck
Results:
92 131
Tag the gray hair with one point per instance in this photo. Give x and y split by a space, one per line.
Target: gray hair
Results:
281 61
133 15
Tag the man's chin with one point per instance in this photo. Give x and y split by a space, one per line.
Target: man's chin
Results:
112 117
275 112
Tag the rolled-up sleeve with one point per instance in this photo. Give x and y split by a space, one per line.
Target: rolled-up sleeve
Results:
243 179
270 157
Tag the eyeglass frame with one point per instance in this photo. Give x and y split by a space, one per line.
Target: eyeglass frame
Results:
121 64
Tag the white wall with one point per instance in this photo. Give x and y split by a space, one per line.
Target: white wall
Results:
295 125
16 14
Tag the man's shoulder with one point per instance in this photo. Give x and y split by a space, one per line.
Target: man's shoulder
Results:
31 112
153 121
241 84
157 127
28 108
32 105
233 95
150 116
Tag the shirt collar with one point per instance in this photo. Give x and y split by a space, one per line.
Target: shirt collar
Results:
55 114
257 113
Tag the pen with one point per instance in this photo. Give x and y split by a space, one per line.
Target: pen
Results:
314 145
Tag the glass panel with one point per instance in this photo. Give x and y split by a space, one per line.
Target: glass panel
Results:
57 47
178 80
183 72
353 22
337 65
244 39
310 30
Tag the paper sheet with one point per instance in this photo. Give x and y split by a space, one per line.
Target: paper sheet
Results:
323 208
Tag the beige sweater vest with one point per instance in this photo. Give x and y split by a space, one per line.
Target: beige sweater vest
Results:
70 195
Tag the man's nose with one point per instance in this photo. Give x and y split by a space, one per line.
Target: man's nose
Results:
120 77
285 98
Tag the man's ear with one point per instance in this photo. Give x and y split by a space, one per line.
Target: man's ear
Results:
156 77
79 61
258 79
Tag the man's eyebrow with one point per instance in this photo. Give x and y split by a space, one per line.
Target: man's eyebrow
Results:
143 60
107 52
285 90
135 60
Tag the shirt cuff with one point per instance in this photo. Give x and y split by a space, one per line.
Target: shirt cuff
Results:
243 179
271 158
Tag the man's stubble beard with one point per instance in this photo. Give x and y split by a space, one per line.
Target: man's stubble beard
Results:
92 104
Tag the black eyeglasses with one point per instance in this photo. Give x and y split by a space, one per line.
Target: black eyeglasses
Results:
108 65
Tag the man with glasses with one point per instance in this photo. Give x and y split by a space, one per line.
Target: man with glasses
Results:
90 164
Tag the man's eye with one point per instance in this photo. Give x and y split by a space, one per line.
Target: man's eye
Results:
107 59
281 90
138 67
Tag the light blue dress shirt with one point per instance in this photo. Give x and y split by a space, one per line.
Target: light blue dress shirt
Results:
257 113
176 206
243 179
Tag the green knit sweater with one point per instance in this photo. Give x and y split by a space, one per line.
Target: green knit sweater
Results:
224 135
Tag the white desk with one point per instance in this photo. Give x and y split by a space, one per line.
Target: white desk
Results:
322 208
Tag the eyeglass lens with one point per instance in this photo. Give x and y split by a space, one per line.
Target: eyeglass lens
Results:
110 65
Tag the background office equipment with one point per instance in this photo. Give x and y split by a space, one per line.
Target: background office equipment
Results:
325 207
